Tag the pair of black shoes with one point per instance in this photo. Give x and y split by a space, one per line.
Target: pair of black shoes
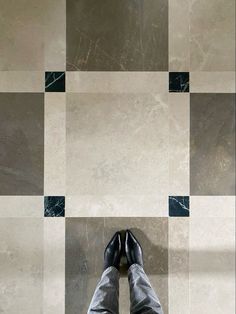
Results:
130 248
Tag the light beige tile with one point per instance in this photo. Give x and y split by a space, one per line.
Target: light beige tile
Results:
179 133
54 147
116 206
212 206
212 265
54 266
179 36
21 81
55 35
21 206
117 82
117 144
212 25
212 82
178 265
21 260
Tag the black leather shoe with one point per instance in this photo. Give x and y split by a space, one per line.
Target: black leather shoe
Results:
112 253
133 249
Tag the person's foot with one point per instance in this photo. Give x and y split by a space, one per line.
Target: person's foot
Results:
133 249
112 253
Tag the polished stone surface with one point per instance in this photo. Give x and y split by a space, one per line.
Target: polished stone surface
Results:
112 35
22 143
212 131
55 81
86 239
178 206
178 82
54 206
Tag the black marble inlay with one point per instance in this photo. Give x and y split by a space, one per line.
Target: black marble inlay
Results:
179 82
54 206
178 206
54 81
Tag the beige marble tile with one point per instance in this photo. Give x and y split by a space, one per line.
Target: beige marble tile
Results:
212 206
179 35
116 206
54 144
212 265
84 236
55 35
179 133
21 206
212 82
21 260
117 144
212 27
54 266
117 82
178 265
21 81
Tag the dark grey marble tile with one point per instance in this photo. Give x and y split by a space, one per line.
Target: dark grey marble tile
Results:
22 143
54 206
86 239
179 82
54 81
178 206
212 153
111 35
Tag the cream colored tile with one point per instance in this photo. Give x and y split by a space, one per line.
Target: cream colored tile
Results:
117 82
54 266
21 81
212 206
116 144
212 82
54 147
178 265
212 265
55 35
21 260
21 206
116 206
212 25
179 36
179 120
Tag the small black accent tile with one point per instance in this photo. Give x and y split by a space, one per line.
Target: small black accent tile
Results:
178 82
54 206
54 81
179 206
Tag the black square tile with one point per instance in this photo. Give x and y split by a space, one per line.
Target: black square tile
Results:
179 206
54 81
179 82
54 206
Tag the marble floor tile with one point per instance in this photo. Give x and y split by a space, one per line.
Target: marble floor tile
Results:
117 144
212 156
21 260
117 36
212 33
21 81
54 206
54 144
21 206
212 265
85 236
178 82
54 266
55 82
22 143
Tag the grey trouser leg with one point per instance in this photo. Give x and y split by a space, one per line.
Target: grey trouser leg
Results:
106 296
143 299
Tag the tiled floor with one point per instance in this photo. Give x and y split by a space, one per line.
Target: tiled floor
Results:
117 115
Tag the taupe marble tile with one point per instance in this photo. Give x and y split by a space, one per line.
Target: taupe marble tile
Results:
212 265
54 266
212 163
55 144
212 27
22 143
21 260
21 206
117 144
86 239
115 35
